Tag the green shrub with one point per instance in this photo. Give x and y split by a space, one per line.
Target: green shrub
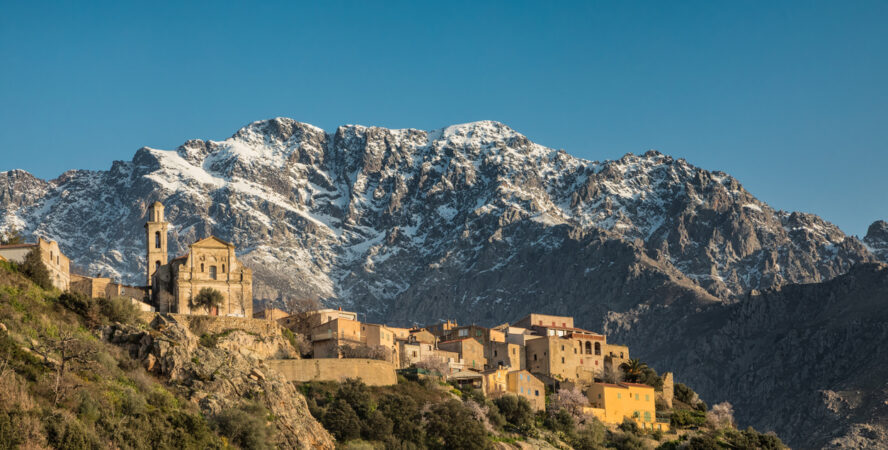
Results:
377 427
354 392
517 411
66 433
119 309
341 421
685 418
450 425
406 417
591 437
244 425
702 442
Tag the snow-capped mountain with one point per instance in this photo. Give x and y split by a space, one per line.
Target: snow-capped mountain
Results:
392 222
478 223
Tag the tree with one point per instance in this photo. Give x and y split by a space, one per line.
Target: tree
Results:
572 400
69 350
342 421
720 416
34 268
452 426
208 298
12 236
633 370
517 411
301 311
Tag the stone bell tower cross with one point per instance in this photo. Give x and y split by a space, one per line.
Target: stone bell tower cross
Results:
156 233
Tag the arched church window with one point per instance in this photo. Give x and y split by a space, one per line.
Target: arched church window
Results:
223 268
597 348
588 348
157 239
156 265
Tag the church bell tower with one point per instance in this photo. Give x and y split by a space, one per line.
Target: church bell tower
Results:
156 233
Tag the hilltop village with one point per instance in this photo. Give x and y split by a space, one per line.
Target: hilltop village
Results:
527 358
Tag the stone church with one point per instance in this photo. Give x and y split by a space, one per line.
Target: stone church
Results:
209 263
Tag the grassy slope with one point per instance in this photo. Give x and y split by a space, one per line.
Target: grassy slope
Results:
104 400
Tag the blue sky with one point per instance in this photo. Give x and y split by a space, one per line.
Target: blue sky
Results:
789 97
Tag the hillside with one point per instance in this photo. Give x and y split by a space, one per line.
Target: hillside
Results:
67 380
807 361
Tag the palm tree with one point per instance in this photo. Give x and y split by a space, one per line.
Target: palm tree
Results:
633 370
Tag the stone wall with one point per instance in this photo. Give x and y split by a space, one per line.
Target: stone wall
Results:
370 371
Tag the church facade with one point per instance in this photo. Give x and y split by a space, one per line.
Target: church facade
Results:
209 263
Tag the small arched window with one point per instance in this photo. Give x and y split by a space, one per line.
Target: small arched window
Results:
598 348
534 356
588 348
157 239
201 267
156 265
223 268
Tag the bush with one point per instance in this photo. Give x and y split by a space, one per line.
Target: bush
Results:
355 393
342 421
244 426
562 421
377 427
64 432
119 309
685 418
451 426
703 442
517 411
591 436
405 415
629 426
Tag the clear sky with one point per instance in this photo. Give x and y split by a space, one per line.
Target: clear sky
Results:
789 97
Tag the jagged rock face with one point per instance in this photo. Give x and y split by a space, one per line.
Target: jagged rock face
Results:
807 361
221 377
388 221
877 239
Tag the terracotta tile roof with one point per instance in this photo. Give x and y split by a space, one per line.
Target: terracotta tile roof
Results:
635 384
11 246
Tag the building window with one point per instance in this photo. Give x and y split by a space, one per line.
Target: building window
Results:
647 397
598 348
534 356
588 348
201 267
213 272
536 392
463 332
223 268
562 348
157 239
494 353
562 360
513 351
636 396
564 324
619 395
156 265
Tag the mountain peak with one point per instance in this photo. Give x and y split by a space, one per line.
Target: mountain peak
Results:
877 239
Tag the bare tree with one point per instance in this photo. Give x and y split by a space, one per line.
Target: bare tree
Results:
364 351
433 364
301 311
70 351
720 415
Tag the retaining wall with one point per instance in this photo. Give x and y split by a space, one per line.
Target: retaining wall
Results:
371 371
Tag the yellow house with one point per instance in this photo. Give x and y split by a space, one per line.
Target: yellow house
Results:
613 403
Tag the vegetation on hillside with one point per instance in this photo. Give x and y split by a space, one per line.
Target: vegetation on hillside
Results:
62 387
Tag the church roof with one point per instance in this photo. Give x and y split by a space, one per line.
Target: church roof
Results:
210 240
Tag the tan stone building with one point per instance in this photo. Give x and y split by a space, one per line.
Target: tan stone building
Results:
56 263
470 351
103 287
209 263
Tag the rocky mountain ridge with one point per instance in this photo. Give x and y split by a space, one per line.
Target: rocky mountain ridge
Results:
360 216
473 222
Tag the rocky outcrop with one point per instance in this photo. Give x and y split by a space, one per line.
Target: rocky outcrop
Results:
223 373
877 239
807 361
